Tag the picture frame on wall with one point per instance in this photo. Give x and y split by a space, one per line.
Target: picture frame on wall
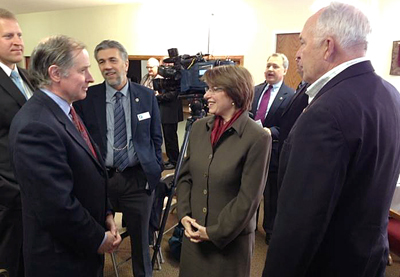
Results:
395 66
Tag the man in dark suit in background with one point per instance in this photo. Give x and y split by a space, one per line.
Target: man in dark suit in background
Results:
270 99
295 107
340 164
124 120
14 92
67 222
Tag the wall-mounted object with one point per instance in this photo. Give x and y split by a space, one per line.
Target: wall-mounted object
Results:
395 66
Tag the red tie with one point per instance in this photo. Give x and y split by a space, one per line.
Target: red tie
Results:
82 130
262 109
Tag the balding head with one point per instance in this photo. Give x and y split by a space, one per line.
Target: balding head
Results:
152 66
334 35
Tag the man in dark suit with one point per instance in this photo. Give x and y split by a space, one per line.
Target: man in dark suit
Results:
124 120
13 94
295 107
67 222
340 164
270 99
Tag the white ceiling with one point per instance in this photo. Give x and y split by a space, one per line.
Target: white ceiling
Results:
30 6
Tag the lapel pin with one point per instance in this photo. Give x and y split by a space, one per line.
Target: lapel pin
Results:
136 99
281 98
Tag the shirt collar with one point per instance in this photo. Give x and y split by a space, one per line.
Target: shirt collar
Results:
315 88
110 91
8 70
65 107
275 87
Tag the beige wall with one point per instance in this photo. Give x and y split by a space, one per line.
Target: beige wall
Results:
238 27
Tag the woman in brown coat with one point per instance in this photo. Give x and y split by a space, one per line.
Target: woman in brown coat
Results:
222 179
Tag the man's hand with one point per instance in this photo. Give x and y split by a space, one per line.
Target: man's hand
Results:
110 244
110 224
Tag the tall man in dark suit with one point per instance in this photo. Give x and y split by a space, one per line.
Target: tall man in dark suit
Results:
270 99
340 164
14 91
67 222
124 120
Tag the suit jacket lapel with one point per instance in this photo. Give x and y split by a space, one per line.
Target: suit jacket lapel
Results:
11 88
135 102
24 77
69 125
275 105
296 95
356 69
257 95
99 104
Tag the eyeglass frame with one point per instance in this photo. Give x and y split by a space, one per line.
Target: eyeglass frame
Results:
213 90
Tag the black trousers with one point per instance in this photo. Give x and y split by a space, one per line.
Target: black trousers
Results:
11 241
171 141
270 202
127 194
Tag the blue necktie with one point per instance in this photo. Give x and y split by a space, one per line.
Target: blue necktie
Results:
18 82
121 159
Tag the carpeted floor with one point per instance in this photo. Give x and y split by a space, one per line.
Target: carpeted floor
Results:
171 268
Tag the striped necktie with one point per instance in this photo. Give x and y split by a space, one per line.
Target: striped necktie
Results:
121 159
18 82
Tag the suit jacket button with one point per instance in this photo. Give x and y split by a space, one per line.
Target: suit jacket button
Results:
210 156
205 191
204 210
205 175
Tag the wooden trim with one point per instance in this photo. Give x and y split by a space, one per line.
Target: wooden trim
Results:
144 57
239 59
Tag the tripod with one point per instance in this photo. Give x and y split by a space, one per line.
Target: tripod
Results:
197 112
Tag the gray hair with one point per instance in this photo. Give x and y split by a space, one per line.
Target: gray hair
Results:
347 24
153 62
285 60
55 50
5 14
109 44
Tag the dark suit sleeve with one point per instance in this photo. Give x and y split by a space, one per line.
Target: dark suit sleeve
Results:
312 179
167 96
44 173
274 132
10 194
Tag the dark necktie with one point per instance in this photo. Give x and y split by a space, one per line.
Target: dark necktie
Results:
262 109
121 159
82 130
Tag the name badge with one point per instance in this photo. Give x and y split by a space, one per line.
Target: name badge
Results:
143 116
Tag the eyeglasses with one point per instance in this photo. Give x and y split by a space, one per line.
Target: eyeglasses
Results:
213 90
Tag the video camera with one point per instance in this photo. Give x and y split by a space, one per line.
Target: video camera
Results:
184 72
